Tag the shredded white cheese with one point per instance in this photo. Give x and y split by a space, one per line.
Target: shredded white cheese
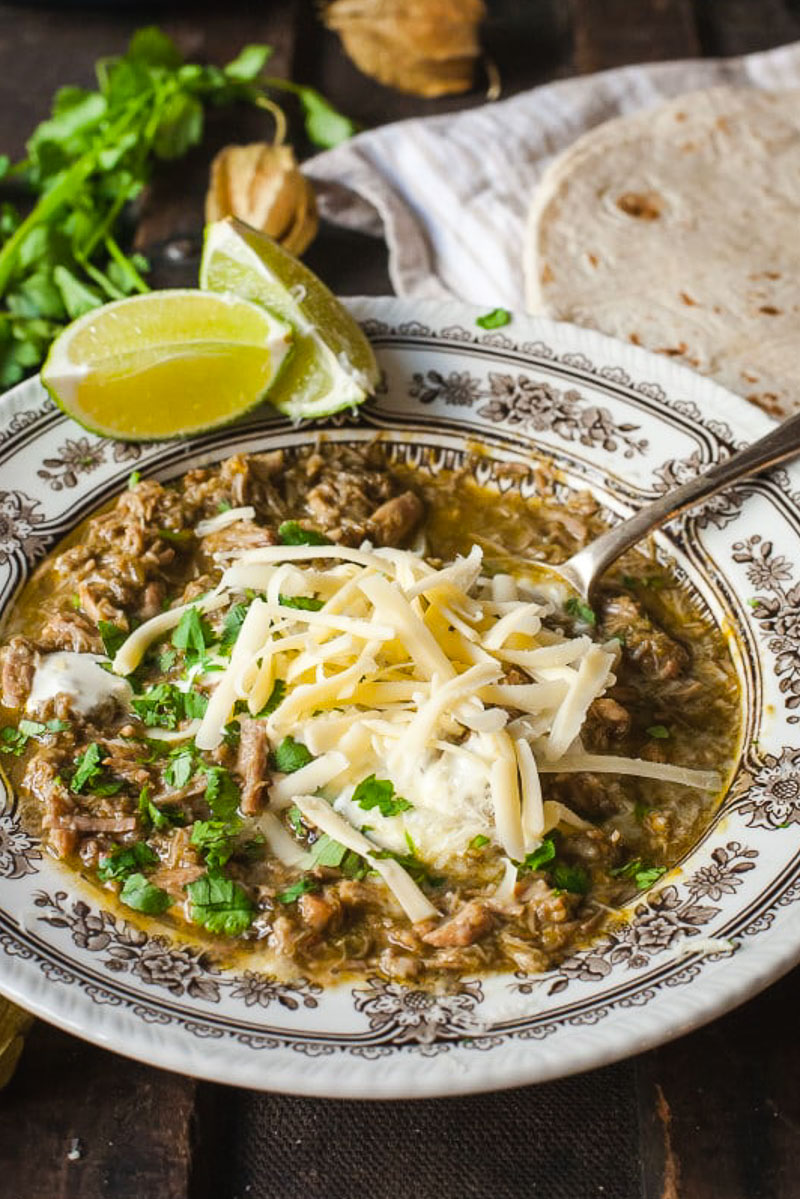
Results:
222 520
401 671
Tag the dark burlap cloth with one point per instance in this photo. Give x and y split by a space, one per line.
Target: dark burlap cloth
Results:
572 1139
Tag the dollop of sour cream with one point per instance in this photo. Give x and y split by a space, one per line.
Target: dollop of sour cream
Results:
79 676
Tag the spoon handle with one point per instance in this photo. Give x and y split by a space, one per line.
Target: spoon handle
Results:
780 443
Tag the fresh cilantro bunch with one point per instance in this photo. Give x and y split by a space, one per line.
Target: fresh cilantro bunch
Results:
90 159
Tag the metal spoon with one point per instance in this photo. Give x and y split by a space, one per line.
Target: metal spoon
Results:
583 570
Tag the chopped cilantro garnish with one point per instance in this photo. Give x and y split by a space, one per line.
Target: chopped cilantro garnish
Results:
295 818
219 904
216 839
658 731
224 506
193 635
160 818
479 841
113 636
234 619
305 603
87 767
291 755
142 896
165 705
275 697
291 532
643 875
641 810
540 856
293 892
14 740
327 852
379 793
494 319
570 878
133 478
167 659
580 611
180 768
754 602
221 794
126 859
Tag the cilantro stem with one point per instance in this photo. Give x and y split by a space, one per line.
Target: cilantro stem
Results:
125 263
50 202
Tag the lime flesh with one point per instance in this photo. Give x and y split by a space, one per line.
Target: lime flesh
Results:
166 364
332 366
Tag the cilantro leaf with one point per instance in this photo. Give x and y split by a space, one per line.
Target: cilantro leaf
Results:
133 478
220 905
494 319
304 602
113 636
580 611
540 856
14 740
327 852
291 755
291 532
180 768
143 896
643 875
216 839
165 706
87 767
479 841
221 793
161 818
192 635
325 126
126 859
292 893
248 64
275 697
234 619
379 793
570 878
659 732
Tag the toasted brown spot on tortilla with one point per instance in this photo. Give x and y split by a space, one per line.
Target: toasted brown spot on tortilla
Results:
687 299
723 124
635 338
674 351
547 275
645 206
593 259
769 310
680 116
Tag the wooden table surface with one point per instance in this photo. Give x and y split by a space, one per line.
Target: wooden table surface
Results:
719 1110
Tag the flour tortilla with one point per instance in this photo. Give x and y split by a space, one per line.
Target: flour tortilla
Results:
678 229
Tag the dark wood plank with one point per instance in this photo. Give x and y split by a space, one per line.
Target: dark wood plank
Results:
611 33
78 1122
720 1108
729 27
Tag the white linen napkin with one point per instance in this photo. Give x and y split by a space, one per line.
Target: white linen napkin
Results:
450 194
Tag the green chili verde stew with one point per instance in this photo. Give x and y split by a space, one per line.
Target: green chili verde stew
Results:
318 705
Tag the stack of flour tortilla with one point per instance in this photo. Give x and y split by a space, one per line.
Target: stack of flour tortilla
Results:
678 229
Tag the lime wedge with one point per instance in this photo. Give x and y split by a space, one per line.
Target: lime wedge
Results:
166 364
333 365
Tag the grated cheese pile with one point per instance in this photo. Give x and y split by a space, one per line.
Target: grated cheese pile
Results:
401 671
